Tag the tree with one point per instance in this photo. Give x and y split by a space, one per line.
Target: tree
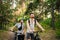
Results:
5 13
58 5
52 5
32 6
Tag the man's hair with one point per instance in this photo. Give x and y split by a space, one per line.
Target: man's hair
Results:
31 13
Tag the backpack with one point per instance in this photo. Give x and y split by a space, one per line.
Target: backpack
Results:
34 21
20 27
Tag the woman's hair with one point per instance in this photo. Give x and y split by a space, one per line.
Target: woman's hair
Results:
19 20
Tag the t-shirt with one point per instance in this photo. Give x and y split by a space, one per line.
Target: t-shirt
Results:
18 25
31 25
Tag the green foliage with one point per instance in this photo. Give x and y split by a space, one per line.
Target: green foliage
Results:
5 13
57 25
58 33
32 6
26 17
46 23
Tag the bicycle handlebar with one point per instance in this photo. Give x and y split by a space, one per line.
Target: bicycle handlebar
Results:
37 31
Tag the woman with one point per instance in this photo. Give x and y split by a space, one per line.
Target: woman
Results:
20 31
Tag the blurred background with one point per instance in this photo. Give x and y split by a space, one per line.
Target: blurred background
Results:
47 12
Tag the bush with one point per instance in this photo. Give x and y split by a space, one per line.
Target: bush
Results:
46 23
57 26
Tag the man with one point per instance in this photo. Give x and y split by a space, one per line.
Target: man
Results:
30 27
20 31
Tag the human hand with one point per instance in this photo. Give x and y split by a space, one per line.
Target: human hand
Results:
11 30
31 30
43 30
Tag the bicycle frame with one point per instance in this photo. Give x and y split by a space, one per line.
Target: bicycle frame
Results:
16 36
37 37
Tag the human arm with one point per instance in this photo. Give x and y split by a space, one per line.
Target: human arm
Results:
23 28
12 28
40 26
28 25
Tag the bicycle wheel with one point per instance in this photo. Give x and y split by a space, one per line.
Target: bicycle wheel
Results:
37 38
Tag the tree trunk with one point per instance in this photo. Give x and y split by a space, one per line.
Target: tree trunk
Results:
0 1
53 18
0 15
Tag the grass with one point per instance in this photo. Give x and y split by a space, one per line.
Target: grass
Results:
2 34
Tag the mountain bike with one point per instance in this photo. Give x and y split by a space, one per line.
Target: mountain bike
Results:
16 36
36 35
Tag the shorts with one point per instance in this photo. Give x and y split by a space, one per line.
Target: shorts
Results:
30 35
20 37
